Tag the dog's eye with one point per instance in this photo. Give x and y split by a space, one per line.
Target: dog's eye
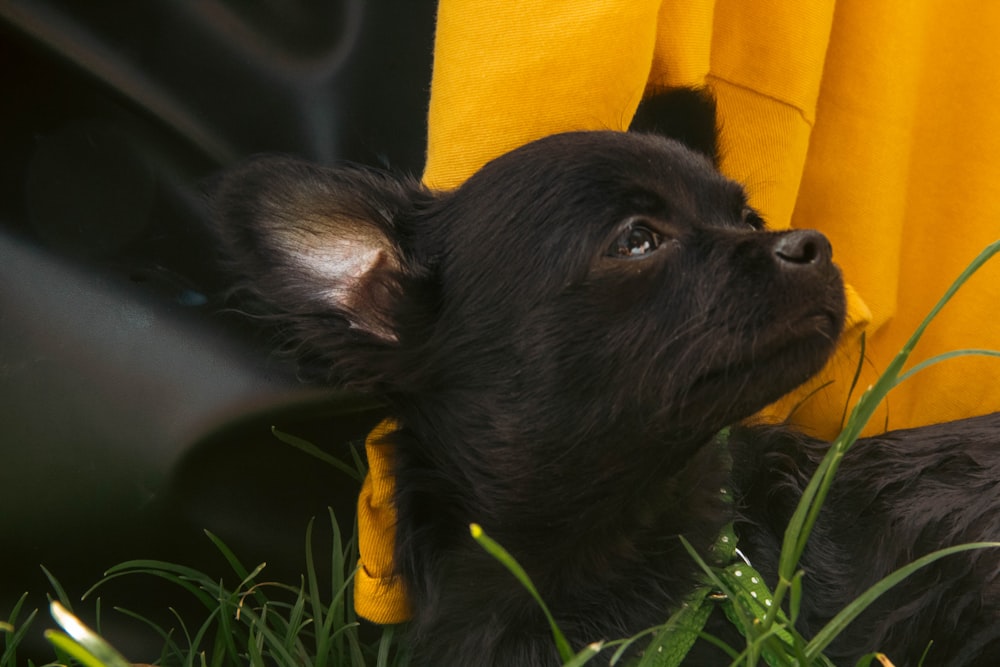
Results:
636 241
752 218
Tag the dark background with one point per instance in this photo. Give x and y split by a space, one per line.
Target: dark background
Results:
135 410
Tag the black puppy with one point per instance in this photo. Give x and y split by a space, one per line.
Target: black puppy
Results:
561 339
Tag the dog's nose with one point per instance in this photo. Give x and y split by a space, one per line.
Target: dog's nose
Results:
802 248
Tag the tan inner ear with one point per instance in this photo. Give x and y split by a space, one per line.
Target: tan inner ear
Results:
342 270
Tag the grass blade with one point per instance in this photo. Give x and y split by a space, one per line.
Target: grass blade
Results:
229 610
944 357
508 561
337 575
623 645
384 646
223 644
208 601
241 571
16 611
58 589
585 655
313 450
312 579
170 646
15 633
81 642
836 625
863 345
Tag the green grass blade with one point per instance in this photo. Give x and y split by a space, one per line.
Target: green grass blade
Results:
326 641
296 621
189 656
16 611
340 624
359 463
255 649
223 644
58 589
795 597
718 584
69 652
170 645
623 645
676 637
944 357
508 561
343 558
312 578
97 616
208 601
230 611
836 625
335 629
793 543
143 565
357 654
585 655
15 633
974 266
81 642
385 646
923 656
313 450
272 640
227 553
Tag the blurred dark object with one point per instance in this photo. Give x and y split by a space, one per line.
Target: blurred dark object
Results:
134 410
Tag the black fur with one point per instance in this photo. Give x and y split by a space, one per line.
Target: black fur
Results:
565 396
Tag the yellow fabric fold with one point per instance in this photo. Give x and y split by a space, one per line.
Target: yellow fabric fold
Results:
499 64
379 595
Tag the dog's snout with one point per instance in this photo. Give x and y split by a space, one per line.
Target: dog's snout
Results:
802 248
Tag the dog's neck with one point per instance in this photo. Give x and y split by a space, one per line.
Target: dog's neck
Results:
621 498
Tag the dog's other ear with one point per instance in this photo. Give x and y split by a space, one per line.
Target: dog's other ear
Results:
684 114
318 247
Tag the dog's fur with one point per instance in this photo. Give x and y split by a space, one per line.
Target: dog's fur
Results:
565 394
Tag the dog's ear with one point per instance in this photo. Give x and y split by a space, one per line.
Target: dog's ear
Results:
684 114
318 247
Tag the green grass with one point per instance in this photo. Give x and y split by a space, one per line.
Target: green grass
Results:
251 621
248 620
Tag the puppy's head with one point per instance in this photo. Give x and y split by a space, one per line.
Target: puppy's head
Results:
586 281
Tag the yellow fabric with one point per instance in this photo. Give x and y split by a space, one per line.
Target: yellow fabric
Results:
378 594
874 122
